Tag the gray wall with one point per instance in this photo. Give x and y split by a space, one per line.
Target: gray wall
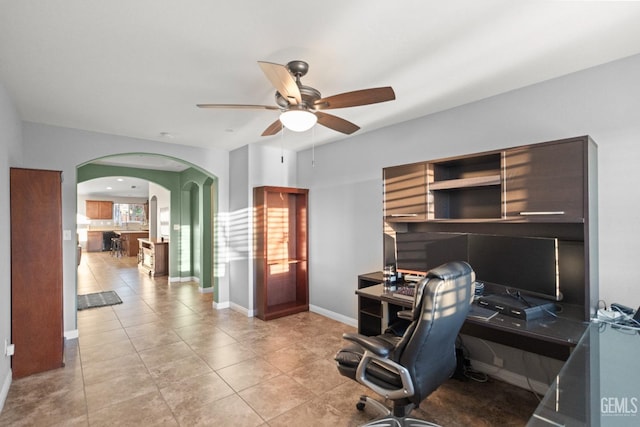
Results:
50 147
346 187
240 243
251 166
346 184
10 155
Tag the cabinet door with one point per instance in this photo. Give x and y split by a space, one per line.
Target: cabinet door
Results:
405 193
106 209
99 209
94 241
92 209
546 182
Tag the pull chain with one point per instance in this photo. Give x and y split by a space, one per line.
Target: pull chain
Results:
282 146
313 147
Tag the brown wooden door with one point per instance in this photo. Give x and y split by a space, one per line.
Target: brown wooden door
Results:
36 271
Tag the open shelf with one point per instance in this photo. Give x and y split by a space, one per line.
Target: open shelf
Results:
466 182
281 251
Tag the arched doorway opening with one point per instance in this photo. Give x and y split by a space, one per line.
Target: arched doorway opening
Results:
192 218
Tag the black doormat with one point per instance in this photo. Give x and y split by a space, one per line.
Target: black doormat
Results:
99 299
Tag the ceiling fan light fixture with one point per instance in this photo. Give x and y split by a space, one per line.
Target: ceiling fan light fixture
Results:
298 120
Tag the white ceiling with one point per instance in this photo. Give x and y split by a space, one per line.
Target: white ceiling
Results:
138 67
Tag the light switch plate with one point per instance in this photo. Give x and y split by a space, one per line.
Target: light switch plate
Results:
66 234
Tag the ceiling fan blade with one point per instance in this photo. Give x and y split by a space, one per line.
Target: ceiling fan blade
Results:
273 128
282 80
336 123
356 98
239 106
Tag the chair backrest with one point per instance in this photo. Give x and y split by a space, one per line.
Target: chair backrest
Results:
427 349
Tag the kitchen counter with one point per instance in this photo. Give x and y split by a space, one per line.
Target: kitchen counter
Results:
129 239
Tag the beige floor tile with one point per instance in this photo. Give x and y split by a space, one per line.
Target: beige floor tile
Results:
208 343
159 356
118 389
276 396
290 358
319 375
144 410
106 337
150 328
189 393
98 353
106 370
248 373
227 355
54 408
156 369
177 370
144 342
139 319
316 413
230 411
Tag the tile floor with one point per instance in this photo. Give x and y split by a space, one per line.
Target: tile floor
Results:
166 357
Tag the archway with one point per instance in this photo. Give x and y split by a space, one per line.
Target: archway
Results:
203 188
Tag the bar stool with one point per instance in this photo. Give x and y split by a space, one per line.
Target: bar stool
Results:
116 247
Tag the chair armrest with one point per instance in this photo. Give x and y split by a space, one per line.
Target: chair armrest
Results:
375 345
406 314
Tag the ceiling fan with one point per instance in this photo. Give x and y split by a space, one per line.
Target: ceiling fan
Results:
301 106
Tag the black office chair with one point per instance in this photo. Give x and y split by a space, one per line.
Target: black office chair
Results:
407 368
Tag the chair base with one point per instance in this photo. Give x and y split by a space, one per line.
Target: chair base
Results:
387 419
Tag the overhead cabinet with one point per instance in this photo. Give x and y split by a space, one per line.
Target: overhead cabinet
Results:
544 182
547 190
405 192
281 248
99 209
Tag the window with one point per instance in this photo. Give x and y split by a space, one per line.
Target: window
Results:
128 212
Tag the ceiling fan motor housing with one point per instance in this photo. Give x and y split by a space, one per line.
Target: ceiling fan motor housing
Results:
309 97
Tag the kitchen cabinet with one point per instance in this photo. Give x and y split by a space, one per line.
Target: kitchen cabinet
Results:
94 241
36 271
129 241
99 209
280 263
153 256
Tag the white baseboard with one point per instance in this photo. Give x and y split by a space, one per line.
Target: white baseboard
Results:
205 290
510 377
184 279
4 391
220 305
71 335
335 316
243 310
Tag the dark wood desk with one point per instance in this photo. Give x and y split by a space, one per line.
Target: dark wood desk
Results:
549 336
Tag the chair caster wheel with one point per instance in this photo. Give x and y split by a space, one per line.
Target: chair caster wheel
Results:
360 406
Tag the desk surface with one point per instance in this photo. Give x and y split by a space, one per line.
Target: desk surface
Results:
560 332
599 383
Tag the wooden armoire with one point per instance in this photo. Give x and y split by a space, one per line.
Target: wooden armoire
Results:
36 271
281 248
